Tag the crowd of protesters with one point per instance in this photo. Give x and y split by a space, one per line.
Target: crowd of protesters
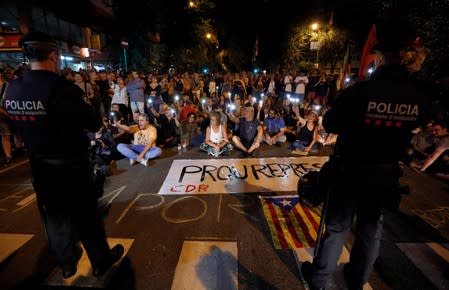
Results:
144 114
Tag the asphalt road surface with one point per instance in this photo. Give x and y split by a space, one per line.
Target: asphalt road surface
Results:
212 239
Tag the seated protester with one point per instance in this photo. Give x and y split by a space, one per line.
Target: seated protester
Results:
290 122
144 146
216 142
117 116
274 128
191 130
103 148
168 135
186 109
249 133
128 128
307 132
151 110
223 117
438 161
209 106
423 143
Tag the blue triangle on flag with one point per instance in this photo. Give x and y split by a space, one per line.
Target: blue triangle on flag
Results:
286 203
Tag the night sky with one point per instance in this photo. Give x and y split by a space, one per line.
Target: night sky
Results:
270 20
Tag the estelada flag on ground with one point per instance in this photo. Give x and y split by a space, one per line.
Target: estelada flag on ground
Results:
291 224
367 58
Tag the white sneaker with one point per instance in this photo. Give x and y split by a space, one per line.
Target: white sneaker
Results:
132 161
144 162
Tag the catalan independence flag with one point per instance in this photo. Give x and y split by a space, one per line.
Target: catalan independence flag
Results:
291 224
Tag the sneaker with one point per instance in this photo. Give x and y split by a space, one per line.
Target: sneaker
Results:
114 255
132 161
144 162
69 269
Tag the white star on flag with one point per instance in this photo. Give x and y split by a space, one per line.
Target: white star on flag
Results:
285 202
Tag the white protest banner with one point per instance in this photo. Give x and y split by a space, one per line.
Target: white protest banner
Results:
212 176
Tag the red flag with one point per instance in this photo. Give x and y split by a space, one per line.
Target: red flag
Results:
346 68
367 58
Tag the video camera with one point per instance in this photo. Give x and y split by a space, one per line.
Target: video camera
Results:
313 186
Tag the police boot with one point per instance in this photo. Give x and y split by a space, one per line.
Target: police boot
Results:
306 271
69 268
348 278
114 255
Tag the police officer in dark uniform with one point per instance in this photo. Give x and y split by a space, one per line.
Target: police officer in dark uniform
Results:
373 120
52 118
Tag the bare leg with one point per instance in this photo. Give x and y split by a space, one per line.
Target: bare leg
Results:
257 140
253 147
239 144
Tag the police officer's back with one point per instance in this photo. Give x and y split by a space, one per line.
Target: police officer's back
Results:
50 115
373 120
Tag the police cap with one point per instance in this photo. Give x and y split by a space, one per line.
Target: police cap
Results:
37 38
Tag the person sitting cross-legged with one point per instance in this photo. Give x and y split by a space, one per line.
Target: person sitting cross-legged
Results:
249 133
274 127
307 132
144 143
216 142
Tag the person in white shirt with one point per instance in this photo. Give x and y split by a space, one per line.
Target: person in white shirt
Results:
288 79
301 82
216 142
120 93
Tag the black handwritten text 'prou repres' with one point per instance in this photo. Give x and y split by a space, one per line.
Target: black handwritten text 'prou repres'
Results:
256 171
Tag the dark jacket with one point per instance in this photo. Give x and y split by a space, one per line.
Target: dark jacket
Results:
50 114
374 118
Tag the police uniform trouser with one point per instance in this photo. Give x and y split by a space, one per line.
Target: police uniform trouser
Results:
68 204
360 191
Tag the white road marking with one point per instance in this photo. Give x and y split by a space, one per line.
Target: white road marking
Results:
9 243
205 265
337 281
84 277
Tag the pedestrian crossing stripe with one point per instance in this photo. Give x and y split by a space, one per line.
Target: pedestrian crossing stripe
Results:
291 225
205 265
432 259
84 276
9 243
337 281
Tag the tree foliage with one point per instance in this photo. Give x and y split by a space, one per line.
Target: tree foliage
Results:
432 26
331 40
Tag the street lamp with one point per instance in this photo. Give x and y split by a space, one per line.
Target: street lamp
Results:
315 45
208 35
